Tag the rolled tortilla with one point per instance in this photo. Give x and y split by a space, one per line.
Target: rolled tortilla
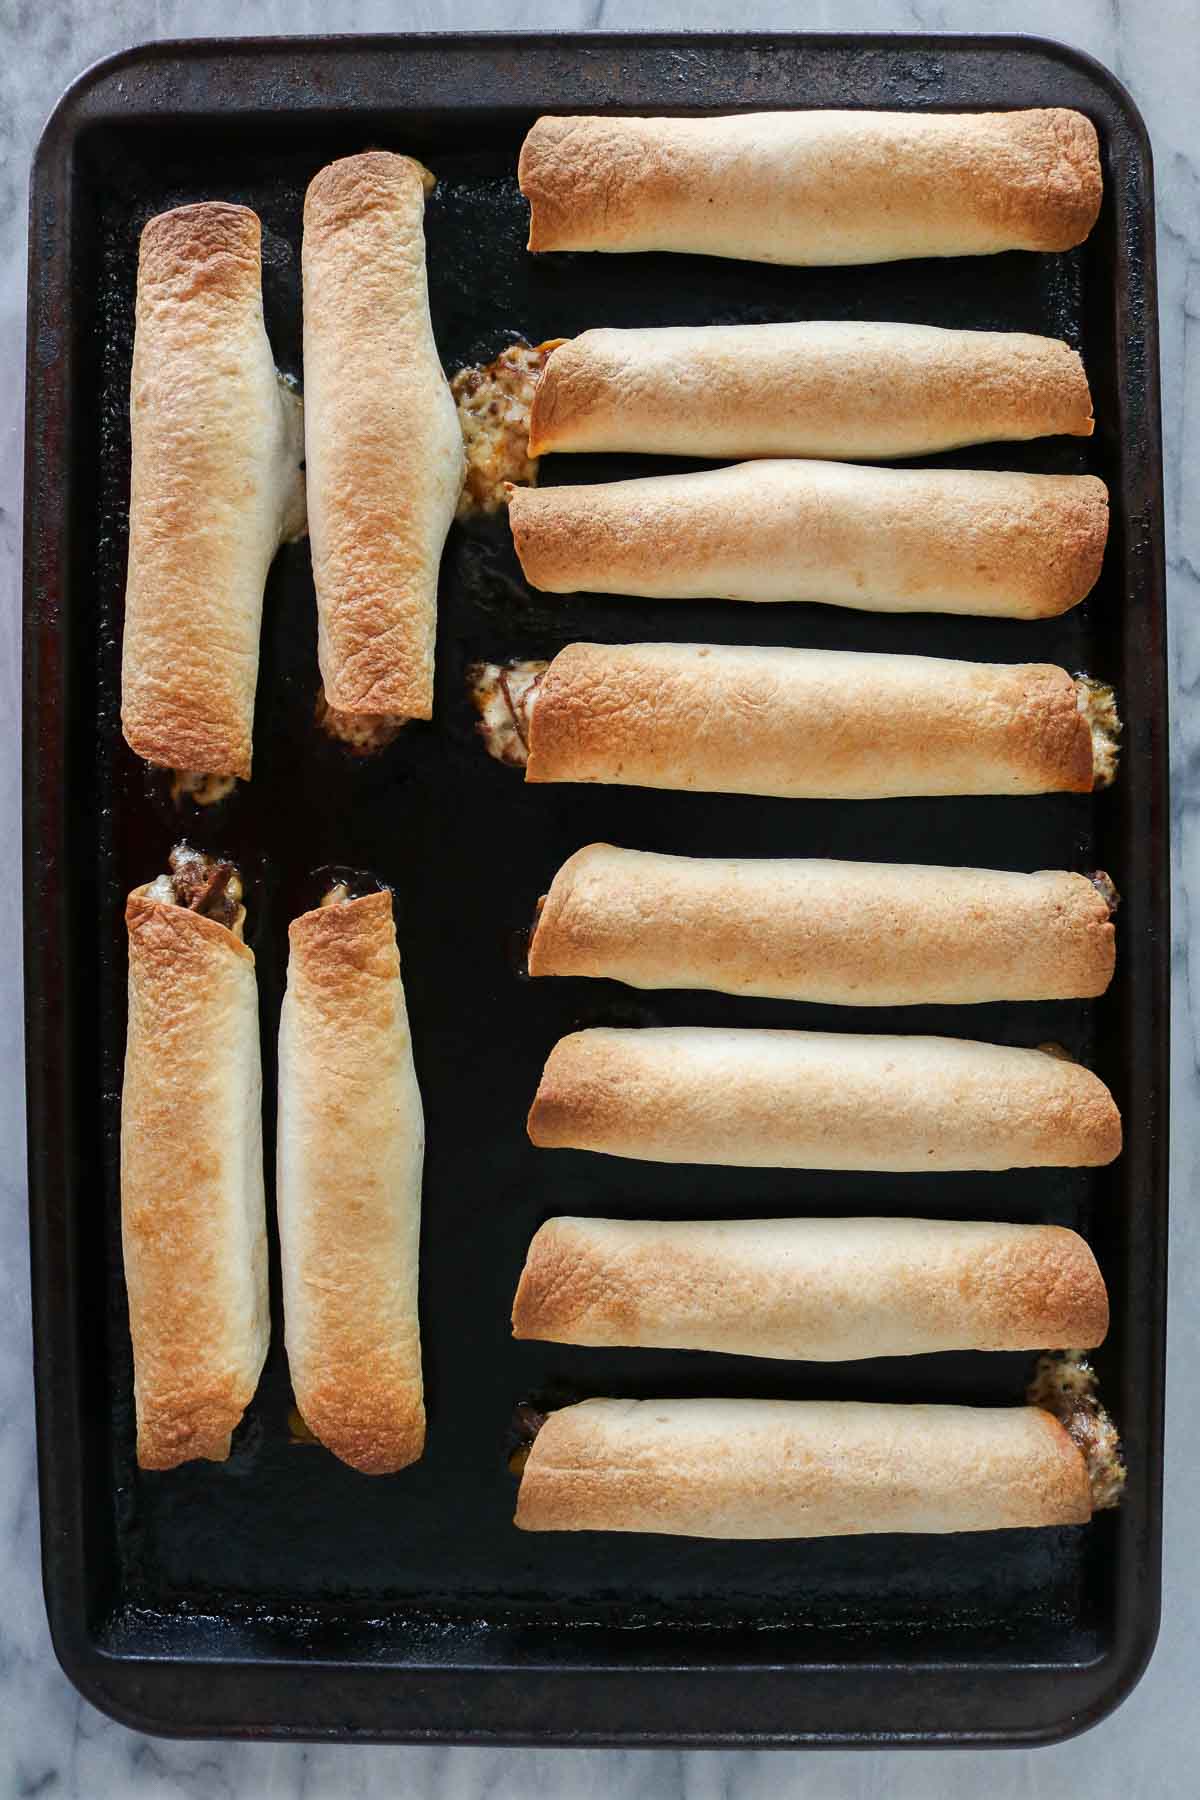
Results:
216 486
799 724
818 1290
980 541
835 933
814 187
385 454
799 1468
822 388
351 1144
821 1100
193 1223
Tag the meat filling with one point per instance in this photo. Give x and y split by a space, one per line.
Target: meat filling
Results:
203 884
504 695
1106 887
1064 1383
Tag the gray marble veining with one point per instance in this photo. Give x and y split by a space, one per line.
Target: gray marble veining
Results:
54 1744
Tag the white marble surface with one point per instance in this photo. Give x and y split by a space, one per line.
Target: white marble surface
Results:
54 1744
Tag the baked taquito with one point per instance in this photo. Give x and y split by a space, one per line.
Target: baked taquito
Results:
844 390
384 449
800 1468
814 1290
833 933
799 724
350 1151
814 186
821 1100
216 486
979 541
193 1224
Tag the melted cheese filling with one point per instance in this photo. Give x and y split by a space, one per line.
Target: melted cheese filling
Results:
364 733
493 401
1098 704
1065 1384
505 695
293 523
202 790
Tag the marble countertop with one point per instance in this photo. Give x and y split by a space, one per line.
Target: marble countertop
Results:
53 1743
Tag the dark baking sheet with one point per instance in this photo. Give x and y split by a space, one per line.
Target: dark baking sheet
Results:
280 1594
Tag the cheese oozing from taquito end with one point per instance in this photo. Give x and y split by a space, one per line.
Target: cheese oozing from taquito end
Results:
799 1468
815 1290
1098 704
193 1220
840 389
815 186
494 401
829 932
504 695
800 724
1065 1384
987 542
216 486
384 449
362 733
200 789
350 1152
820 1100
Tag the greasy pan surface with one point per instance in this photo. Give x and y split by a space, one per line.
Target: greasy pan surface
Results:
280 1593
